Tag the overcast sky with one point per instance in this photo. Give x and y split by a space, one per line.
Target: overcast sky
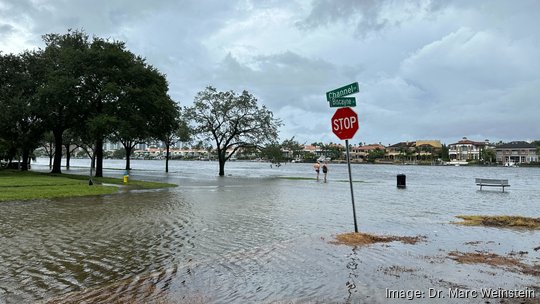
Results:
426 69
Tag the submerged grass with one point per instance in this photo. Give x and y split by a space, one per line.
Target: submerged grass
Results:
504 221
313 178
137 184
297 178
15 185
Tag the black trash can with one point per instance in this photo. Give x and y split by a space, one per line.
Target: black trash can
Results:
401 181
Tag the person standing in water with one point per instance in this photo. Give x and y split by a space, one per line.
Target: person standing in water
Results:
317 168
325 170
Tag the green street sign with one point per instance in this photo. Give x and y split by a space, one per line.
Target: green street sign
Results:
343 102
343 91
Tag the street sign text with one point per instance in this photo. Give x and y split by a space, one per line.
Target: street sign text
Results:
345 123
343 102
343 91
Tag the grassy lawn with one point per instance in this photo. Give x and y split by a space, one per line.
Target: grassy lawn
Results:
15 185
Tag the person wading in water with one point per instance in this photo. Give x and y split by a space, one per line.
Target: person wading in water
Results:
325 170
317 168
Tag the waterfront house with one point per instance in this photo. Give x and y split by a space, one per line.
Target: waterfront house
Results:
516 152
315 150
427 149
400 151
360 153
466 150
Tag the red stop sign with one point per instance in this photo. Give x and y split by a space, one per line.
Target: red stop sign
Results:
345 123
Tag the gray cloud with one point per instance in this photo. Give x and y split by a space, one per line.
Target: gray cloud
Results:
6 29
426 69
364 17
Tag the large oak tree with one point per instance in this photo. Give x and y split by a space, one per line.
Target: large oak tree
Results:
21 126
143 110
62 99
233 121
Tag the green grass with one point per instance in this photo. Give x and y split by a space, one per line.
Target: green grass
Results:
15 185
136 184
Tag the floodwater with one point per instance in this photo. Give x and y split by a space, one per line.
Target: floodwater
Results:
262 235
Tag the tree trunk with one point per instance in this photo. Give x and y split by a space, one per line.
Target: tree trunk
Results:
221 158
128 153
167 158
25 158
50 160
57 162
99 157
68 156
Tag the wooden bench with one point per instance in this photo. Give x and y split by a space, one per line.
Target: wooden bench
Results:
488 182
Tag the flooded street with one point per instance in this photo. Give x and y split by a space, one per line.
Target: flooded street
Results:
263 234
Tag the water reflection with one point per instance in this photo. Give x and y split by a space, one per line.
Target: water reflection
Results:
352 265
255 237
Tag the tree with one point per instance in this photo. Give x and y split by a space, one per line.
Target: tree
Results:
172 131
444 155
273 153
143 109
489 155
232 121
119 154
47 143
124 98
332 150
21 126
373 155
293 146
71 143
106 64
62 102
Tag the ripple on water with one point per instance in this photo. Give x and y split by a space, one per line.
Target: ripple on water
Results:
258 239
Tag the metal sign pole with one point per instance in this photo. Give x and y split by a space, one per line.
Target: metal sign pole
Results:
350 182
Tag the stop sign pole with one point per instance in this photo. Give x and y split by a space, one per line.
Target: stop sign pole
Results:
345 125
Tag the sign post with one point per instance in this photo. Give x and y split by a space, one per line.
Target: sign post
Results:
345 125
350 182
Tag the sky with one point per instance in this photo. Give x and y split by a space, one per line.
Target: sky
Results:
427 69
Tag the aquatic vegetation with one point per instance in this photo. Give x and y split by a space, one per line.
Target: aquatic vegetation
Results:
500 221
362 239
510 262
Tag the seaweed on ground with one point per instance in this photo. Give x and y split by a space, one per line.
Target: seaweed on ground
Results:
500 221
510 263
362 239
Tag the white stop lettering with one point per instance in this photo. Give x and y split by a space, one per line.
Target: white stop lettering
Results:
344 123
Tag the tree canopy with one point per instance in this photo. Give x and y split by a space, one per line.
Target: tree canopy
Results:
232 121
21 125
93 88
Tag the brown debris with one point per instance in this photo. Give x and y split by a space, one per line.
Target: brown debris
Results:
396 270
509 262
500 221
362 239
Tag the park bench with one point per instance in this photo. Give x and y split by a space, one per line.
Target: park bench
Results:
488 182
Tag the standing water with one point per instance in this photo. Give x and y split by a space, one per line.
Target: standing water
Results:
264 234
